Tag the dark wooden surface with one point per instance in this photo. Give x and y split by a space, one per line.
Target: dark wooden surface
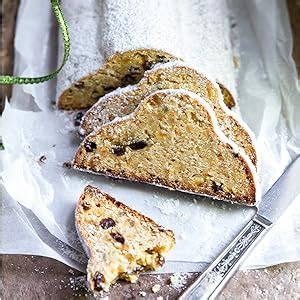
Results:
33 277
294 11
8 12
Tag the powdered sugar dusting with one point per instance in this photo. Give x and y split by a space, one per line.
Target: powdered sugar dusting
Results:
83 19
126 99
132 24
206 32
179 280
170 206
196 30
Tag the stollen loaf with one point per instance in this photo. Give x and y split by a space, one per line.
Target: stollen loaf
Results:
129 36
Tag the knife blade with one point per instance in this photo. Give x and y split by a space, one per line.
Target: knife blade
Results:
282 193
271 207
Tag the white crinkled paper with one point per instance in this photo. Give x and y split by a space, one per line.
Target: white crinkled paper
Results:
38 209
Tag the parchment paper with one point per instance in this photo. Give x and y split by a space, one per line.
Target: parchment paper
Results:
38 209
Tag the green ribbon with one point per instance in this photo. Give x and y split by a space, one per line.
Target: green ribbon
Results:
66 37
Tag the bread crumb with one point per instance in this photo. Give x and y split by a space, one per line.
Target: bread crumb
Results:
178 280
155 288
142 293
71 272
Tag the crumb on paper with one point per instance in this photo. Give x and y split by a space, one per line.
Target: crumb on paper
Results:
169 207
178 280
142 293
156 288
67 165
42 159
71 271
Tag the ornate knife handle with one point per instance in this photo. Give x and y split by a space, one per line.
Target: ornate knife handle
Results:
210 283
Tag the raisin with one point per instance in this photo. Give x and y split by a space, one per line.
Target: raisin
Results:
95 95
90 146
162 59
118 237
77 118
150 251
118 150
79 84
147 65
86 205
98 279
42 159
128 80
138 145
76 123
111 117
107 223
216 187
67 165
134 70
108 89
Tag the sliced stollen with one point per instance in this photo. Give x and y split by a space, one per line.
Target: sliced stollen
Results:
197 31
173 140
120 242
170 76
120 70
118 26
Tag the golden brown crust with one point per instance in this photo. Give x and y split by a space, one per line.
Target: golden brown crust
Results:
250 201
121 69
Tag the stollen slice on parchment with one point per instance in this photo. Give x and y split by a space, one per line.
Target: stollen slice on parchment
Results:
173 75
120 242
172 140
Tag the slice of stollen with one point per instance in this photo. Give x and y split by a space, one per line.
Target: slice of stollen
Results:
120 70
173 140
173 75
120 242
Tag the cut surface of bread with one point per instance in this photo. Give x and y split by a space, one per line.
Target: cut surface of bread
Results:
120 242
170 76
173 140
120 70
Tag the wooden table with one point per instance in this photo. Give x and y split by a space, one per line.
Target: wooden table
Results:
33 277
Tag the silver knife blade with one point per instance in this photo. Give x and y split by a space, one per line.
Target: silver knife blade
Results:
282 193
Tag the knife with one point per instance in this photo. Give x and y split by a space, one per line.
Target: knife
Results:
271 207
